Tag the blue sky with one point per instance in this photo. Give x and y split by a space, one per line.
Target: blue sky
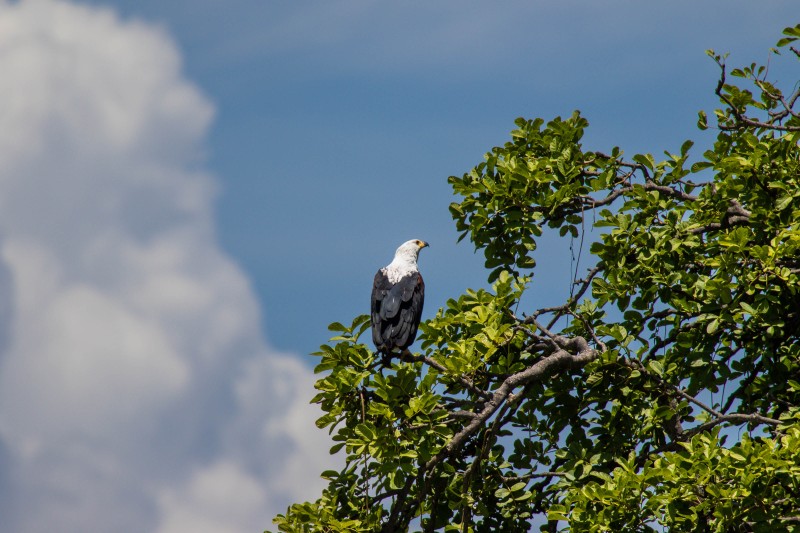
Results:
190 191
338 122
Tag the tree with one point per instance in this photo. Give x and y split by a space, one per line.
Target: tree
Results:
663 394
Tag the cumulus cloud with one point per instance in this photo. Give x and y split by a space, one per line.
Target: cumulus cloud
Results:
136 390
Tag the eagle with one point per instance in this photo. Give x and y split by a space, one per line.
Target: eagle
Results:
398 293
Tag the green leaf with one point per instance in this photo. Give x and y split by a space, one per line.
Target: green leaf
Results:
645 160
702 120
746 306
783 203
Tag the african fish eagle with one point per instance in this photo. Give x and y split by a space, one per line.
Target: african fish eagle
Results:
398 293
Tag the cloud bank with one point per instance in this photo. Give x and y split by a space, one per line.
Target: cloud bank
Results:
136 390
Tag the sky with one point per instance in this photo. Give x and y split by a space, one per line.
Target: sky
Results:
191 191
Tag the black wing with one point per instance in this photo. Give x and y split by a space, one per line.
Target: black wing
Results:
396 310
380 288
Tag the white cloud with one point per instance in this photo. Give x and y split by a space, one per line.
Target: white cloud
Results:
136 391
221 498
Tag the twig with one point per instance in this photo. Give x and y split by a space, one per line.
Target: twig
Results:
406 354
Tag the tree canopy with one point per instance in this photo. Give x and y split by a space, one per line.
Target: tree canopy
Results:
663 394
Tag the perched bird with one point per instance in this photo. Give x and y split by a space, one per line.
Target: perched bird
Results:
398 293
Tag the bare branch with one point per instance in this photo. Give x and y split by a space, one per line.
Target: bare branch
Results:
532 475
740 118
735 418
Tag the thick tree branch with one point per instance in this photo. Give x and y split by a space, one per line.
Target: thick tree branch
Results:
560 360
555 362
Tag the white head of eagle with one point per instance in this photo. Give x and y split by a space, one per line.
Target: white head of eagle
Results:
398 294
